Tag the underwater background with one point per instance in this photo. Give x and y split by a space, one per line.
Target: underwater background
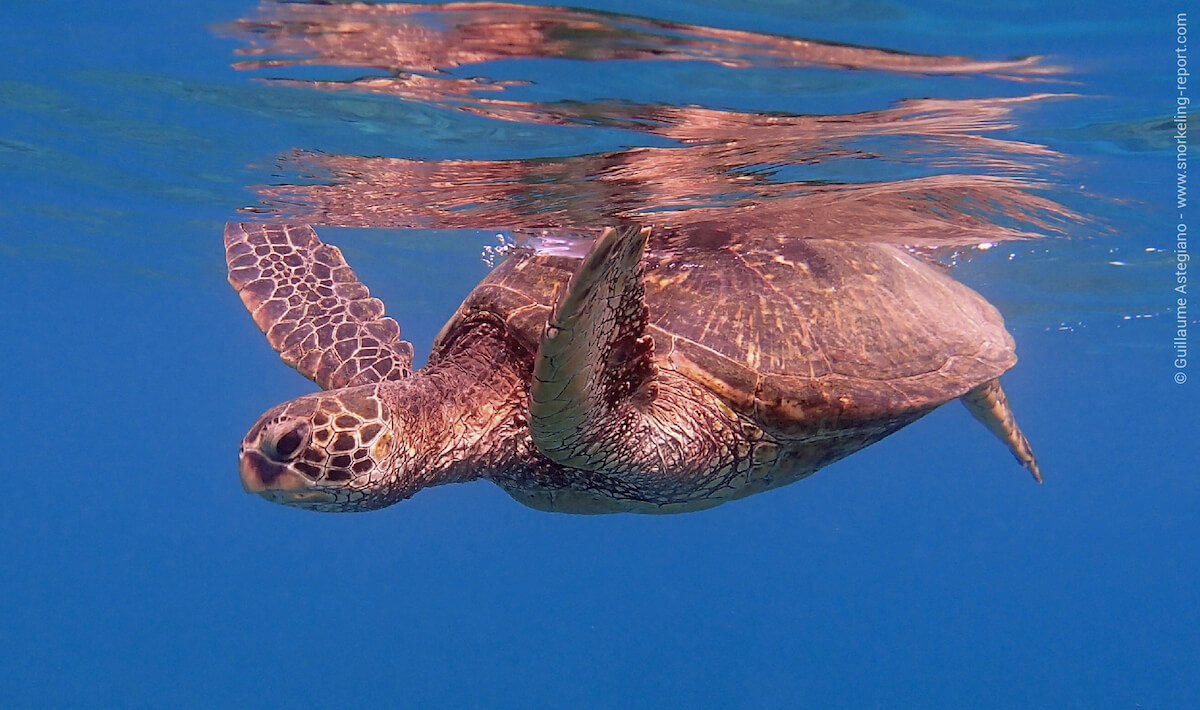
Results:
925 571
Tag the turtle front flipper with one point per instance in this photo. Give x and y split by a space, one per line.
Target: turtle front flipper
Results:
313 309
599 402
989 405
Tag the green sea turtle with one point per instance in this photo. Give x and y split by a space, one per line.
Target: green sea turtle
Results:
652 374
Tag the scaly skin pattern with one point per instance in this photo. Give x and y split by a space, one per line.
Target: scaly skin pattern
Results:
329 451
464 417
569 407
366 447
491 437
313 309
600 405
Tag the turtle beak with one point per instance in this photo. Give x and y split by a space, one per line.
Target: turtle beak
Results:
262 475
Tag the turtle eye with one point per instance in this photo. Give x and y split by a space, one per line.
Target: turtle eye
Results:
285 440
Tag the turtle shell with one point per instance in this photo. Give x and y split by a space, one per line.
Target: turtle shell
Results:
806 338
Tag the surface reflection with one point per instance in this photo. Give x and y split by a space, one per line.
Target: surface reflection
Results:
405 38
956 175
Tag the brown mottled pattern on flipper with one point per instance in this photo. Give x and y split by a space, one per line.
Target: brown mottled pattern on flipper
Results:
595 354
313 309
989 405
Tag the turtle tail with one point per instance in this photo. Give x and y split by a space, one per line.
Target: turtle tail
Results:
989 404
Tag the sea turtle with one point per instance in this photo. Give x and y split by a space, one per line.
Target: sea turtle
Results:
655 378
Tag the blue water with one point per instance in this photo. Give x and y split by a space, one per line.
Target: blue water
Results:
926 571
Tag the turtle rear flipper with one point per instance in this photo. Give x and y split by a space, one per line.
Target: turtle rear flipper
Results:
313 309
598 401
989 405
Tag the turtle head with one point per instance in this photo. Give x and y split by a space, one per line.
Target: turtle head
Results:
329 451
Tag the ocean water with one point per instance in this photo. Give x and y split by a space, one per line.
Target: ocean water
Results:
925 571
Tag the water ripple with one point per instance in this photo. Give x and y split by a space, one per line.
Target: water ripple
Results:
925 172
